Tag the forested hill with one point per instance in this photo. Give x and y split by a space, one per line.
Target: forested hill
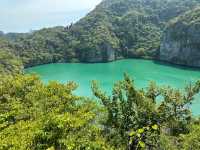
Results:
9 63
115 29
131 28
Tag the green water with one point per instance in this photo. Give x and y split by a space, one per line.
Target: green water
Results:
142 71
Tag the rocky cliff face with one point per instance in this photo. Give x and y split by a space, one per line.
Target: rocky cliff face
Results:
106 55
181 40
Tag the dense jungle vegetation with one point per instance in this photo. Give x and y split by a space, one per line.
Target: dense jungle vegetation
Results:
114 30
38 116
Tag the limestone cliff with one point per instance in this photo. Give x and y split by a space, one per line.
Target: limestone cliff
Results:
181 40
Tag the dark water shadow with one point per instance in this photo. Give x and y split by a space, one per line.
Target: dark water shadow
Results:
183 67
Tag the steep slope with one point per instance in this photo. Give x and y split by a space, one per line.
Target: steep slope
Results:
115 29
181 44
9 63
135 26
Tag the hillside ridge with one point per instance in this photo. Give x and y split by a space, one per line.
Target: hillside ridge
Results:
113 30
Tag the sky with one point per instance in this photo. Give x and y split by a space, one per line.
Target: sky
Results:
27 15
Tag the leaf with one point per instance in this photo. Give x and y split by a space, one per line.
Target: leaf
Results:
155 127
51 148
138 135
142 144
132 133
131 140
140 130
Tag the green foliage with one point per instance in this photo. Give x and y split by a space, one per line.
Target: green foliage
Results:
191 140
174 107
9 64
115 29
38 116
135 115
185 29
146 137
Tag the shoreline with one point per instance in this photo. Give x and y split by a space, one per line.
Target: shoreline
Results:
156 61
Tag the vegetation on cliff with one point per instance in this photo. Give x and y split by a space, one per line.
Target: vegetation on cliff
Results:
9 63
180 42
38 116
115 29
183 24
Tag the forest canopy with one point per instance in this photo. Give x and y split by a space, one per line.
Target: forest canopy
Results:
34 115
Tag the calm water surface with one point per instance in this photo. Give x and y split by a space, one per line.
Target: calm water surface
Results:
142 71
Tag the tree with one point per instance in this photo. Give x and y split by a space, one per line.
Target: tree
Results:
135 119
38 116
